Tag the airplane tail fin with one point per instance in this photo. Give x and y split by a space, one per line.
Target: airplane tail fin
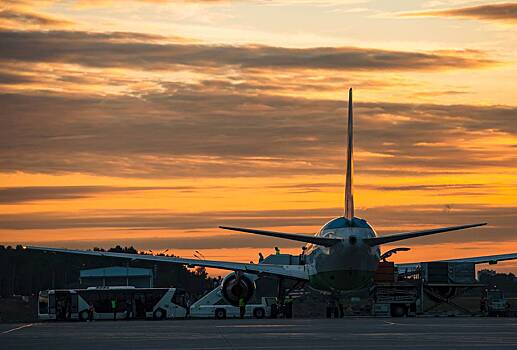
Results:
349 196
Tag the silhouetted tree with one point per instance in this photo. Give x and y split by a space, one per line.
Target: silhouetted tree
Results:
26 272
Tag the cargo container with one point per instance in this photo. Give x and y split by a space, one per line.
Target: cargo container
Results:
448 272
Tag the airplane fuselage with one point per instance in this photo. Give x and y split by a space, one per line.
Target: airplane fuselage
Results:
347 265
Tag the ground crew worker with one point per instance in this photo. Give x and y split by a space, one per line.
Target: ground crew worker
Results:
91 311
302 255
261 257
277 251
114 308
242 306
129 309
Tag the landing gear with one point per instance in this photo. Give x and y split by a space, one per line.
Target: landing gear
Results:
284 301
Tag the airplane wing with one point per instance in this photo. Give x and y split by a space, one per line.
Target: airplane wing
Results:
327 242
490 259
487 259
406 235
289 271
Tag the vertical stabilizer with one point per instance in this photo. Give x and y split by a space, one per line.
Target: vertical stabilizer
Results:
349 196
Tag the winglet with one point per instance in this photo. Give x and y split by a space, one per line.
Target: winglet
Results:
349 196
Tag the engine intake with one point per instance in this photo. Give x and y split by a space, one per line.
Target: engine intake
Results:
235 286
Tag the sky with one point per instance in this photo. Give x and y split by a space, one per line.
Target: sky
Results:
151 122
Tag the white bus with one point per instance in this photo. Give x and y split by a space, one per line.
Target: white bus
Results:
131 303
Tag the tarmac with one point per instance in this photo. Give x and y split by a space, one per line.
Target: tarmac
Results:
350 333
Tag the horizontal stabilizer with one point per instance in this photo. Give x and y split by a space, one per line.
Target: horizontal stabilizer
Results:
327 242
406 235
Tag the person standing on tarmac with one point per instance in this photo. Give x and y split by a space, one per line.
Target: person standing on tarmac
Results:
114 308
129 309
242 306
277 251
91 311
261 257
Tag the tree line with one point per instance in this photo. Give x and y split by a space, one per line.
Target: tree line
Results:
26 272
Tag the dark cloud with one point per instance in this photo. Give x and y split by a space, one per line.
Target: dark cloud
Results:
14 79
425 187
15 195
404 218
107 50
387 219
504 12
15 17
151 220
191 130
160 243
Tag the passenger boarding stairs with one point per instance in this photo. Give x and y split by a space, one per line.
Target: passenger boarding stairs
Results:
211 298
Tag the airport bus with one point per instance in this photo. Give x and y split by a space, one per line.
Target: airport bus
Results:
131 303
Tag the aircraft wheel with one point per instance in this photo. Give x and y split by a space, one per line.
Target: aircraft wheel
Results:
220 314
259 312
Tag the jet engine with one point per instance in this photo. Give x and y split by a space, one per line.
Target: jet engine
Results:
237 285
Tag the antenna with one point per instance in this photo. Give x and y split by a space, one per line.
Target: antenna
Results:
349 196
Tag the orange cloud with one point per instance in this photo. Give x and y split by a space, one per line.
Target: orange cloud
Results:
125 50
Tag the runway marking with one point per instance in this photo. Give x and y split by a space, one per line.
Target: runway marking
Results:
17 328
391 323
258 326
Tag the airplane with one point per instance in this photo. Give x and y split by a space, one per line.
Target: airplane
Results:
342 257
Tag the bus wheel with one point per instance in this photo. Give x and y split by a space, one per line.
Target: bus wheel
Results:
220 314
259 312
159 314
83 316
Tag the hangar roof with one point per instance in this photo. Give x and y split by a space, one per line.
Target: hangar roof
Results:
116 271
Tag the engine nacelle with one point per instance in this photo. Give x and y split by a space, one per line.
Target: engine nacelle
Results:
237 285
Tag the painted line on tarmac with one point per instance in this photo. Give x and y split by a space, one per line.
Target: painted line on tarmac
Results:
258 326
17 328
391 323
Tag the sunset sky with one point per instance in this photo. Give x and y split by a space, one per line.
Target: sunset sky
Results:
151 122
